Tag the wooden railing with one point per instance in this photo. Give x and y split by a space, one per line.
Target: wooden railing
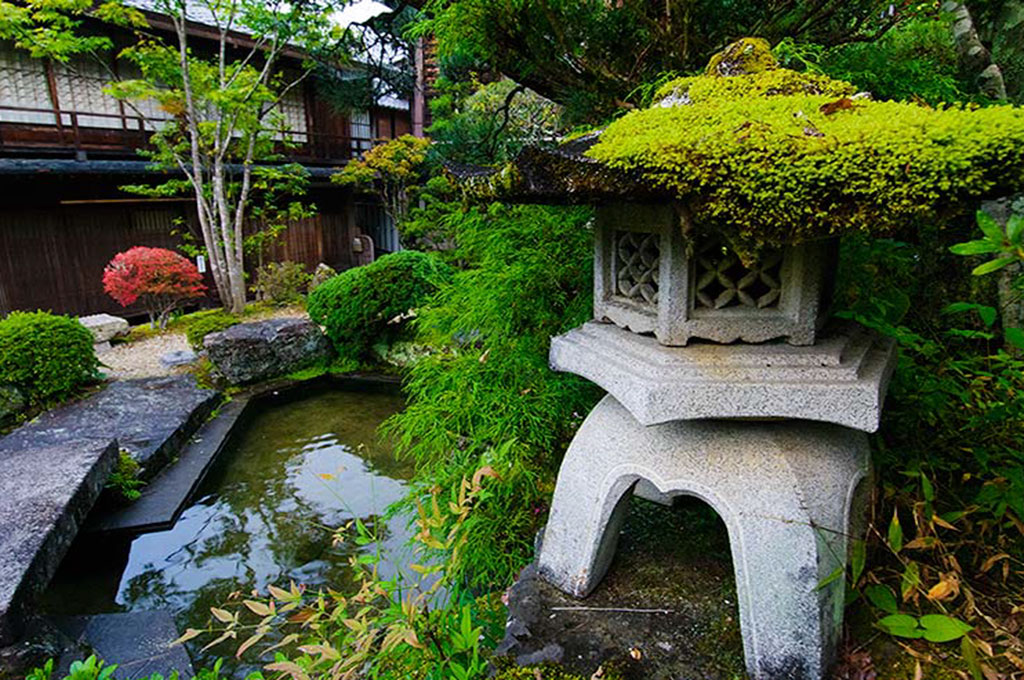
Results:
24 130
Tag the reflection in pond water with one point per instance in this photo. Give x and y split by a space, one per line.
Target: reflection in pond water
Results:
265 514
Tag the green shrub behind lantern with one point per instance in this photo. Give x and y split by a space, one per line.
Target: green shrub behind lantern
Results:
362 306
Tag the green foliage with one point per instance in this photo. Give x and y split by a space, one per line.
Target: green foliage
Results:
949 452
793 167
580 54
491 123
124 481
931 627
48 357
282 283
390 169
369 304
202 324
93 668
425 626
915 60
52 28
488 382
1006 242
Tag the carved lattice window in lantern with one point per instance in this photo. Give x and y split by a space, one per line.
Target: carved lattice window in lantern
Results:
655 273
637 261
723 281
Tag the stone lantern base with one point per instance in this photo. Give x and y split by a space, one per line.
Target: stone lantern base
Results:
786 490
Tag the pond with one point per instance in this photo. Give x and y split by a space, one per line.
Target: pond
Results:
265 514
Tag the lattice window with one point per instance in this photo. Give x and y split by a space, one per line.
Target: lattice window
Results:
292 108
23 86
723 281
80 85
637 261
361 126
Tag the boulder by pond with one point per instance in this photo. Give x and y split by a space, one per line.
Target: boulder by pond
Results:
250 352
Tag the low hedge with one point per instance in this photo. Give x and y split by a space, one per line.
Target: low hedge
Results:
46 356
358 307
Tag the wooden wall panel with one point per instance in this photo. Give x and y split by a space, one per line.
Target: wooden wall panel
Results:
52 258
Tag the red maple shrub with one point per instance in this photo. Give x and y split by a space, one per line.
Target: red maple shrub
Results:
161 279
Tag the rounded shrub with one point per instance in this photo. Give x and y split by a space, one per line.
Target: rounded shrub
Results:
44 355
358 307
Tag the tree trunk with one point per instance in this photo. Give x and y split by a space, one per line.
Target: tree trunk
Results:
975 59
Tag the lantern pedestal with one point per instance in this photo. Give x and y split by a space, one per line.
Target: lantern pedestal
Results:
786 490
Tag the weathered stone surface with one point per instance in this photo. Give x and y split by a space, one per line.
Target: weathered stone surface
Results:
150 418
180 357
841 379
650 277
138 642
53 469
322 273
41 641
785 490
104 327
46 490
256 351
12 402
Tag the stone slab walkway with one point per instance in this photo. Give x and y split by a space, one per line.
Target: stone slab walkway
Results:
165 497
53 469
151 418
45 494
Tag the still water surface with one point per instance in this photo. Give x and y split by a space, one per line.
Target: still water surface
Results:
265 514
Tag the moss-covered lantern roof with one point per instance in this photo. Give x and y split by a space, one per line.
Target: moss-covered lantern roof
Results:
769 156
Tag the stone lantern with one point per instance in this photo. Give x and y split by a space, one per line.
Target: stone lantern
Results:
725 381
725 378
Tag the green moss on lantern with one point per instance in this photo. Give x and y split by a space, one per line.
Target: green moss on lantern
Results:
763 166
698 89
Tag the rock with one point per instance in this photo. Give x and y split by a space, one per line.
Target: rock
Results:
320 275
138 641
250 352
104 326
46 491
401 354
12 402
181 357
53 469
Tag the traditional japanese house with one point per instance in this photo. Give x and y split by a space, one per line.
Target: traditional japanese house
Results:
66 147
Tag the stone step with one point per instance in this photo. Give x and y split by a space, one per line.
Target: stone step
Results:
45 494
166 496
138 642
53 469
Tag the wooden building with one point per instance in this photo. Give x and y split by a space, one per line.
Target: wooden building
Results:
66 148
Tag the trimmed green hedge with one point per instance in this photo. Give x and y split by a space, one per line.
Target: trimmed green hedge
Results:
357 307
46 356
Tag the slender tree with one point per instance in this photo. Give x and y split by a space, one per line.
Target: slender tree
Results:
217 122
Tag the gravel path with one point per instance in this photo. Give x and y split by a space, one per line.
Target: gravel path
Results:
141 359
